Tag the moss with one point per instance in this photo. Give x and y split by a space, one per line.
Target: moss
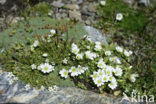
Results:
22 30
40 9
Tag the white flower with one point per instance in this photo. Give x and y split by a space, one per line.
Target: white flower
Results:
118 71
100 73
112 85
36 43
87 38
49 13
33 66
95 75
64 73
119 49
108 53
130 67
111 78
130 52
52 31
65 61
46 68
119 17
98 82
10 74
55 88
75 49
15 78
115 60
85 68
103 2
97 47
27 87
118 60
88 47
79 56
105 78
127 53
90 55
11 81
42 88
101 64
80 69
109 70
133 77
50 89
32 48
45 55
47 60
74 71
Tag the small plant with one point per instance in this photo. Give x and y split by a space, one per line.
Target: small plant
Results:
53 60
130 20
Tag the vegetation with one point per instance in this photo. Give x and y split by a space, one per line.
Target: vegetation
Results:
136 32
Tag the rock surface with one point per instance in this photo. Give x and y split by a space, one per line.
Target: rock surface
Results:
95 35
16 93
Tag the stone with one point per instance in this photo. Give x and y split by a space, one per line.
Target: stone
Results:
145 2
130 2
58 4
116 93
92 7
16 19
2 2
75 15
16 93
95 35
72 6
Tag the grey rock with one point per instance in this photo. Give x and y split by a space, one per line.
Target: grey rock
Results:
58 4
145 2
92 7
95 35
130 2
75 15
72 6
16 93
2 2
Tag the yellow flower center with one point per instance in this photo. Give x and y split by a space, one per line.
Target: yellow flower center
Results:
45 68
65 73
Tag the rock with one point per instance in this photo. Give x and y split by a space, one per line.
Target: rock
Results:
92 7
72 6
2 2
130 2
16 93
95 35
145 2
75 15
58 4
60 15
116 93
16 19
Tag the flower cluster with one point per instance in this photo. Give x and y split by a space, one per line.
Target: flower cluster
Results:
109 67
105 74
12 78
45 67
53 88
74 71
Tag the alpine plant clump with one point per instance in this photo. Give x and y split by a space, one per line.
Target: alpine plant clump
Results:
87 63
